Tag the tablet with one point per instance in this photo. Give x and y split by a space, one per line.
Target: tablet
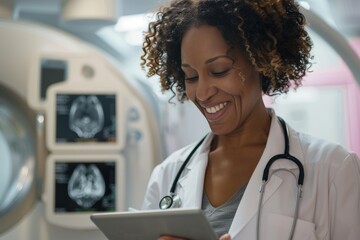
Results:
150 224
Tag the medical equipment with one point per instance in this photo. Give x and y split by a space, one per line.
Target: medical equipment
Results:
265 179
146 224
174 201
78 185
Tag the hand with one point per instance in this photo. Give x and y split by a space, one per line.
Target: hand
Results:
223 237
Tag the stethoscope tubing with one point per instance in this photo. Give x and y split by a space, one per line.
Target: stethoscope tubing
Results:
288 157
265 179
176 179
168 201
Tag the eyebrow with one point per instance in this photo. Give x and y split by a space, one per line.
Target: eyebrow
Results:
215 58
210 60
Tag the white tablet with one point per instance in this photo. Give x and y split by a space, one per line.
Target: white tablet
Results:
149 225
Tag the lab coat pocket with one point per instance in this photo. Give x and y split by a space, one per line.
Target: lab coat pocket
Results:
279 227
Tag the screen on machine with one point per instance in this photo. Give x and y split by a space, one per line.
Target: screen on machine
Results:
85 187
52 71
82 118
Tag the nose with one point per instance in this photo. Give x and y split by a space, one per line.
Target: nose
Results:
205 88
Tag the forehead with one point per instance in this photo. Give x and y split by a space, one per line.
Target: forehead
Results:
201 43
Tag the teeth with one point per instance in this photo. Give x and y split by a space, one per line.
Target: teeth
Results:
216 108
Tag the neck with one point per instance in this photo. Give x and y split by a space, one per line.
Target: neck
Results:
254 131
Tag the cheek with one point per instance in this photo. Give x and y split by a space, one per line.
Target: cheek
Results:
190 90
247 83
234 86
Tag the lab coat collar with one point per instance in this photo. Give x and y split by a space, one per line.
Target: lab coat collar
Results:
248 206
195 182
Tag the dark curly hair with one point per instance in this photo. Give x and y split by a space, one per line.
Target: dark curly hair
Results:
270 32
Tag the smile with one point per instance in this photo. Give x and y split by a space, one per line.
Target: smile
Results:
216 108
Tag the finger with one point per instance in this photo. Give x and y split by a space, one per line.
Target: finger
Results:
225 237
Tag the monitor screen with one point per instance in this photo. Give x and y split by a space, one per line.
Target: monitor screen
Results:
85 186
82 118
52 71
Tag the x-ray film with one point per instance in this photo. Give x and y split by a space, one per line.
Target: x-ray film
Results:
85 118
85 186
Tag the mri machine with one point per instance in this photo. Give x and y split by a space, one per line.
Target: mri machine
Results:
78 133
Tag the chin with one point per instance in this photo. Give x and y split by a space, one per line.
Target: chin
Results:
219 129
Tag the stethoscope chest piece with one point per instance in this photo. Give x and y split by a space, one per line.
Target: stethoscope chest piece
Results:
173 200
170 202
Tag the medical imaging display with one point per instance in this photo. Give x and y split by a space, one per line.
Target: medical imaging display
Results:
85 118
85 186
52 71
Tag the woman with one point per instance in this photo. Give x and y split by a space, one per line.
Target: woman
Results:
223 55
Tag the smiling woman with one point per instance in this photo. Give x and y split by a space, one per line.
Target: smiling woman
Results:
223 55
221 82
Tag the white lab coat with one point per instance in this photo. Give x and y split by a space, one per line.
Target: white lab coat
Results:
329 207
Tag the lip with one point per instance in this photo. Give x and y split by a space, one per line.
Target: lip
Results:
212 117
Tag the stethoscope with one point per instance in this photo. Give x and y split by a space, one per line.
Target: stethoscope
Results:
174 201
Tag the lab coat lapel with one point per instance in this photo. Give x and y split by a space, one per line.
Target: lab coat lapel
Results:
248 206
191 185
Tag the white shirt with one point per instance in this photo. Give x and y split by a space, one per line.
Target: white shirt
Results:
330 203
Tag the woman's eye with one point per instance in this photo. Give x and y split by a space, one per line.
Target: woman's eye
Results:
220 73
191 78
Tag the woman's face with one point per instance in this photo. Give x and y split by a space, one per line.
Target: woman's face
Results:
223 84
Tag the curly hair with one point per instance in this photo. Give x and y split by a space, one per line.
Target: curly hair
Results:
270 32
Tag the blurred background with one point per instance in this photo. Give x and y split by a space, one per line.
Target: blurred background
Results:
81 126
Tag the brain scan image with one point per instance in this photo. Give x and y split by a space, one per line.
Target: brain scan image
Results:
86 117
86 185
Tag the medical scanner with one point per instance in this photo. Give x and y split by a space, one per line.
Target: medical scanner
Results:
78 134
18 158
